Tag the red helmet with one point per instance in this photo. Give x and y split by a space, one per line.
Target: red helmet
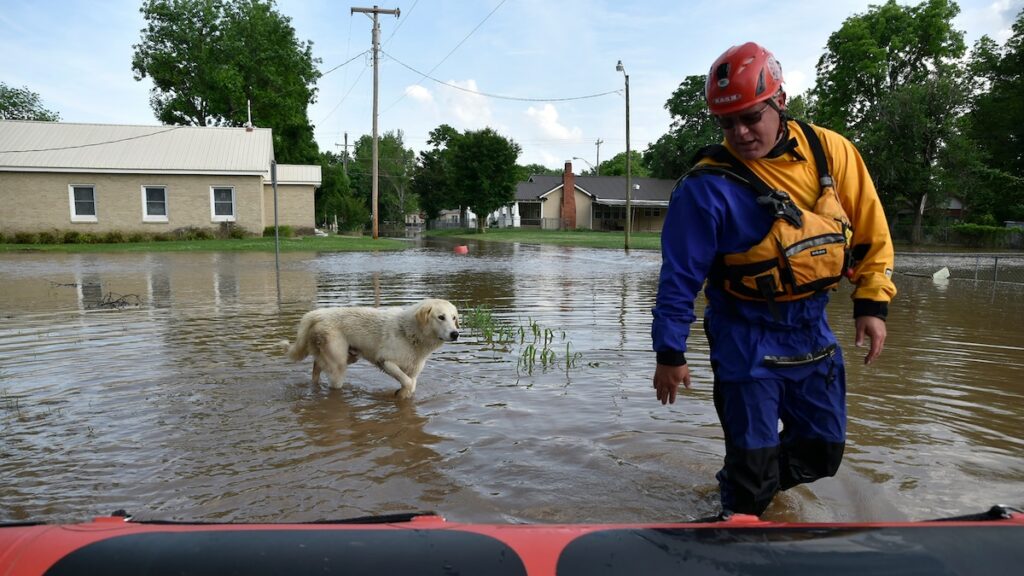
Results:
741 77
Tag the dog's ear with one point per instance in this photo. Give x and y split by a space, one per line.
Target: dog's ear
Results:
423 314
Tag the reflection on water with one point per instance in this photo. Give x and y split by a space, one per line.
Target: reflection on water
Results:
178 403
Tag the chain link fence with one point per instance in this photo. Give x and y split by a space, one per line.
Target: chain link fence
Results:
987 267
1011 238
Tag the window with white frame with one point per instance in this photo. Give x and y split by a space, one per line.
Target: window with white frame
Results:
82 199
154 204
222 204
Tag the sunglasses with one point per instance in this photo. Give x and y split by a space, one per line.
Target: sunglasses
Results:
749 119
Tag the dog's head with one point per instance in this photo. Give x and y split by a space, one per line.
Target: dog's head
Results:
440 318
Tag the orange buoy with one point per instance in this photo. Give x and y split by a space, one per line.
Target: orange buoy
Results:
463 249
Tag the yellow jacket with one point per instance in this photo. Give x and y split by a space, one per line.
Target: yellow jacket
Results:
796 174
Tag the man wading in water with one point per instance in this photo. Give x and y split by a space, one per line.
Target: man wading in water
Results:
773 219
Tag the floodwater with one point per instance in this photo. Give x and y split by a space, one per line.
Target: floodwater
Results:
155 383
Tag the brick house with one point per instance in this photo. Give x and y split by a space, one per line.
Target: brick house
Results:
101 178
597 202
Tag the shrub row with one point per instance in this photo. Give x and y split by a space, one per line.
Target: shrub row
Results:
120 237
980 235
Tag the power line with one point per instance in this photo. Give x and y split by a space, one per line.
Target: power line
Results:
407 13
499 96
350 89
452 51
500 4
105 142
343 63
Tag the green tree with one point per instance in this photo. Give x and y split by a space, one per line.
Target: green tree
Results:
430 181
989 195
800 107
210 61
525 171
903 146
875 53
997 120
692 128
23 104
395 165
890 79
334 199
616 165
483 171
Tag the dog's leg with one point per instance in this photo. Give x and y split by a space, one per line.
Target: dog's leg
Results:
408 384
334 353
417 369
316 371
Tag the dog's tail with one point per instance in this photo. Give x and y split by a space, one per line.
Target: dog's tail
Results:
300 349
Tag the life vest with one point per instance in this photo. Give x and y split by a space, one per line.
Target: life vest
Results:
805 251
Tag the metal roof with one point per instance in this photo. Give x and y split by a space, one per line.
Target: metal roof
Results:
68 147
604 189
297 174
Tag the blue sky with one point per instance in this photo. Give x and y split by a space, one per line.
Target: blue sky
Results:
76 54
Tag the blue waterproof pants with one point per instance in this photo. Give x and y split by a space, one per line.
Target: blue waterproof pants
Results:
753 395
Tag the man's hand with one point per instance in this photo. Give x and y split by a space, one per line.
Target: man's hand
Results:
872 327
668 378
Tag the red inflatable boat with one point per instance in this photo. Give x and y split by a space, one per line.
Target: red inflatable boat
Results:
987 543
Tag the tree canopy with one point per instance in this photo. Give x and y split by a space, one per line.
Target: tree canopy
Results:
616 165
394 171
483 171
210 61
875 53
997 118
431 176
691 129
475 169
335 201
527 170
23 104
932 125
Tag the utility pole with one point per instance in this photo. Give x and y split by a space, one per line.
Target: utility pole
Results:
344 155
597 164
629 176
376 49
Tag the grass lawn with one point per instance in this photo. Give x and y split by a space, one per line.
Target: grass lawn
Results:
588 238
301 244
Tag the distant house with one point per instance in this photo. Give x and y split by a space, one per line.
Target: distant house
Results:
596 203
101 178
454 219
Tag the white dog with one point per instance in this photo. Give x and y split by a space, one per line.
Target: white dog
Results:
398 340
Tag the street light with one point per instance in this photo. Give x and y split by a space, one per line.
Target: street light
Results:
587 161
629 175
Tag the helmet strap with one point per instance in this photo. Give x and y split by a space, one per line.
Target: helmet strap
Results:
783 118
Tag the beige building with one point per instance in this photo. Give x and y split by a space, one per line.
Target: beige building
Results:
596 202
100 178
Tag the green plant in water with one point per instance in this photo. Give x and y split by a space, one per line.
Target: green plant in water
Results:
537 344
9 403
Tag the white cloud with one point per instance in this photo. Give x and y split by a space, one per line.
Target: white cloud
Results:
471 111
796 82
419 94
546 120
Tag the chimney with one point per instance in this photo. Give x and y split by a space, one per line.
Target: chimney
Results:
568 211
